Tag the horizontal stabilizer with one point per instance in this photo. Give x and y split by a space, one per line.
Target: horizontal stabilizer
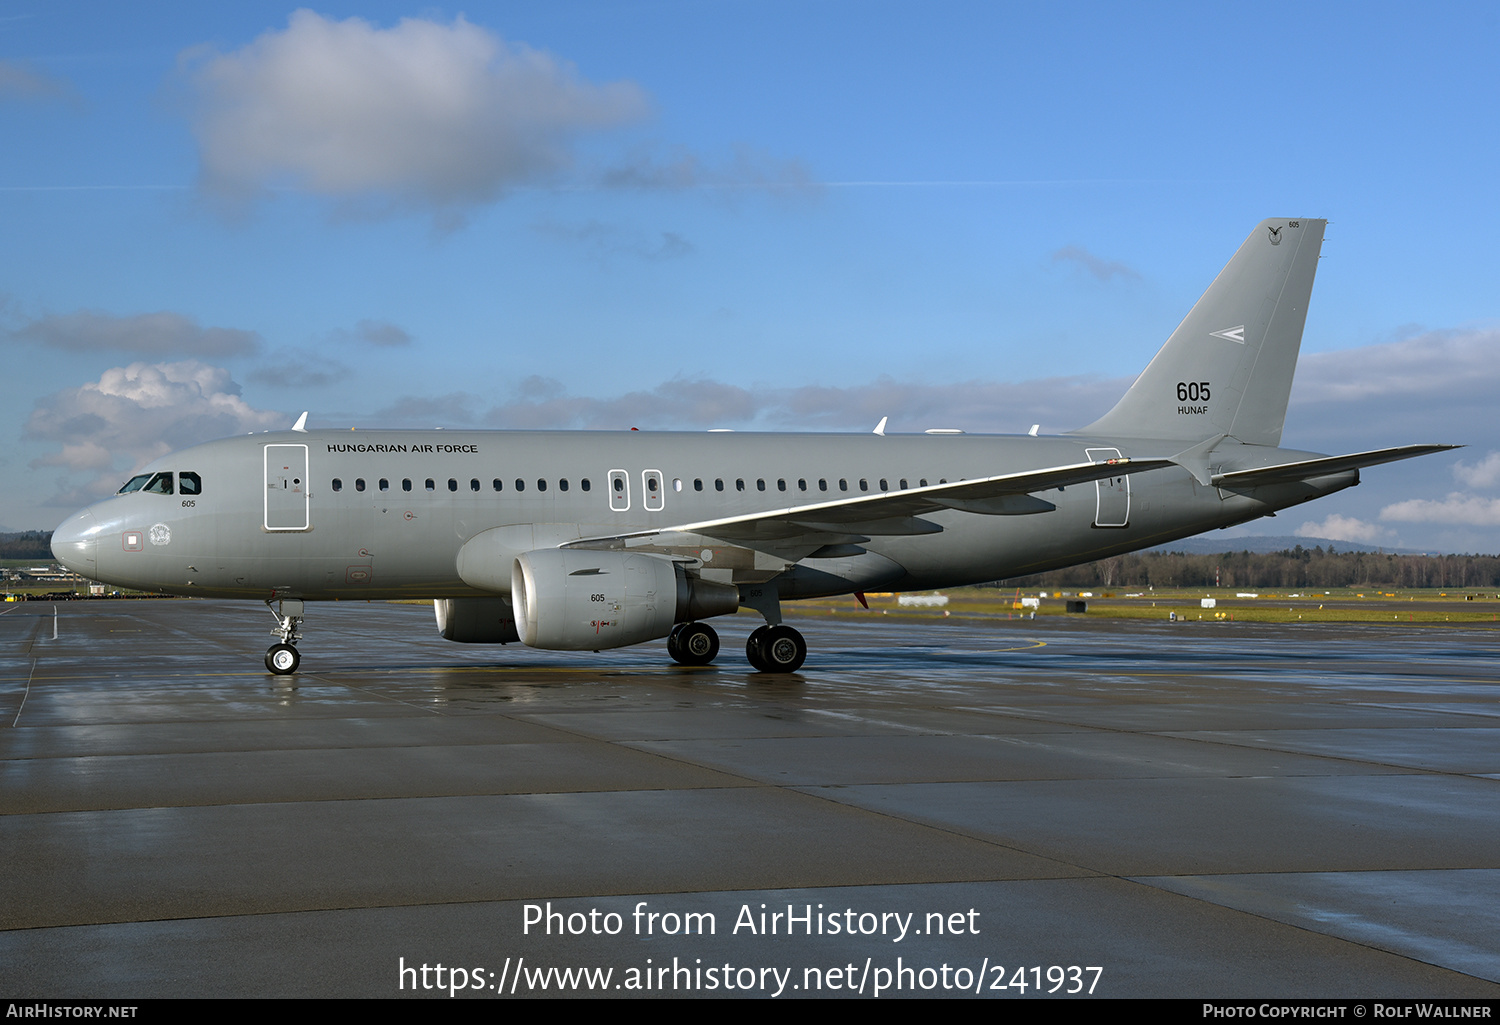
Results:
1307 469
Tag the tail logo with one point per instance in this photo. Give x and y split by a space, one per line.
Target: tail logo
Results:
1233 334
1275 235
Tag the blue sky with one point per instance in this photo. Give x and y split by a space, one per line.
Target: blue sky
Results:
753 215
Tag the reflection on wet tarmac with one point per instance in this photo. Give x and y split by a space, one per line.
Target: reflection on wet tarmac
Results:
1207 809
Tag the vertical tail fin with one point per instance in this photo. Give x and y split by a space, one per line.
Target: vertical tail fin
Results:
1228 367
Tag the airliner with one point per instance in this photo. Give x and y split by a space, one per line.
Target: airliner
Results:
574 540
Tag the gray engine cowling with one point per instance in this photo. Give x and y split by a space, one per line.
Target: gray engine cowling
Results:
476 620
570 599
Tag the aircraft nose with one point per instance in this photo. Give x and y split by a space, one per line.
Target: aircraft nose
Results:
74 544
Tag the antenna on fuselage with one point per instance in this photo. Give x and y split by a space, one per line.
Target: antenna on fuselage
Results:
301 424
880 427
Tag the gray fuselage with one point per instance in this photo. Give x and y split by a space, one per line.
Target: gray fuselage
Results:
384 514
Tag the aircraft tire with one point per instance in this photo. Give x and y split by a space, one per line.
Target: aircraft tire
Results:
783 650
697 644
283 659
753 650
673 647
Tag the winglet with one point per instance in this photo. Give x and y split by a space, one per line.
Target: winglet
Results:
301 424
880 427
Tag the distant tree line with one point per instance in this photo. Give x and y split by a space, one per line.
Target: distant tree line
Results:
27 544
1294 568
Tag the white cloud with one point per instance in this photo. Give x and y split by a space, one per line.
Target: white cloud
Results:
1457 507
1439 366
1098 267
605 240
134 414
1484 474
146 334
381 333
419 115
747 168
1346 528
1435 387
1059 404
21 82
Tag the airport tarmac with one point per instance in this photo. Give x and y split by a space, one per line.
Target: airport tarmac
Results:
1177 810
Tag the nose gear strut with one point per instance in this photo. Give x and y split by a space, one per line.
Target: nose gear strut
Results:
283 658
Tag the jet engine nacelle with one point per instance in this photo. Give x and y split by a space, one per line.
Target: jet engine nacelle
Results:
476 620
571 599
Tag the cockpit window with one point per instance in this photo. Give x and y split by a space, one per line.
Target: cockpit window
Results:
189 483
134 484
161 484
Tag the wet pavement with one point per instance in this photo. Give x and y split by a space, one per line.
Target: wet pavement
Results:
1200 809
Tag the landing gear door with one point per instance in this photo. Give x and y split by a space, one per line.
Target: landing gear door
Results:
286 488
1113 493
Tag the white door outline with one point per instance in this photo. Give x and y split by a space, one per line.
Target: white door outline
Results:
653 494
1112 494
286 505
619 491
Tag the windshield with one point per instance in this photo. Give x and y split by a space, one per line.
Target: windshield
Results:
134 484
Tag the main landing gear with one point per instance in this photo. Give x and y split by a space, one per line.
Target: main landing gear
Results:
776 649
770 649
283 658
693 644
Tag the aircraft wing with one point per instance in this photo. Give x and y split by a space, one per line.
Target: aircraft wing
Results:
1307 469
850 520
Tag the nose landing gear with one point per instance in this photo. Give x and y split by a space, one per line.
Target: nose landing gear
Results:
283 658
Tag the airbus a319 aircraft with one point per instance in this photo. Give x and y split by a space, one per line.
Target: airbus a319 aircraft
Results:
589 540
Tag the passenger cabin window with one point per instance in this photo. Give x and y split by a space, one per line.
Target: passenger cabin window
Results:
541 484
822 484
584 484
843 484
718 483
801 483
697 483
474 484
431 484
385 485
864 485
520 484
497 485
161 484
359 484
134 484
338 485
562 485
780 485
406 484
739 484
189 483
452 484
